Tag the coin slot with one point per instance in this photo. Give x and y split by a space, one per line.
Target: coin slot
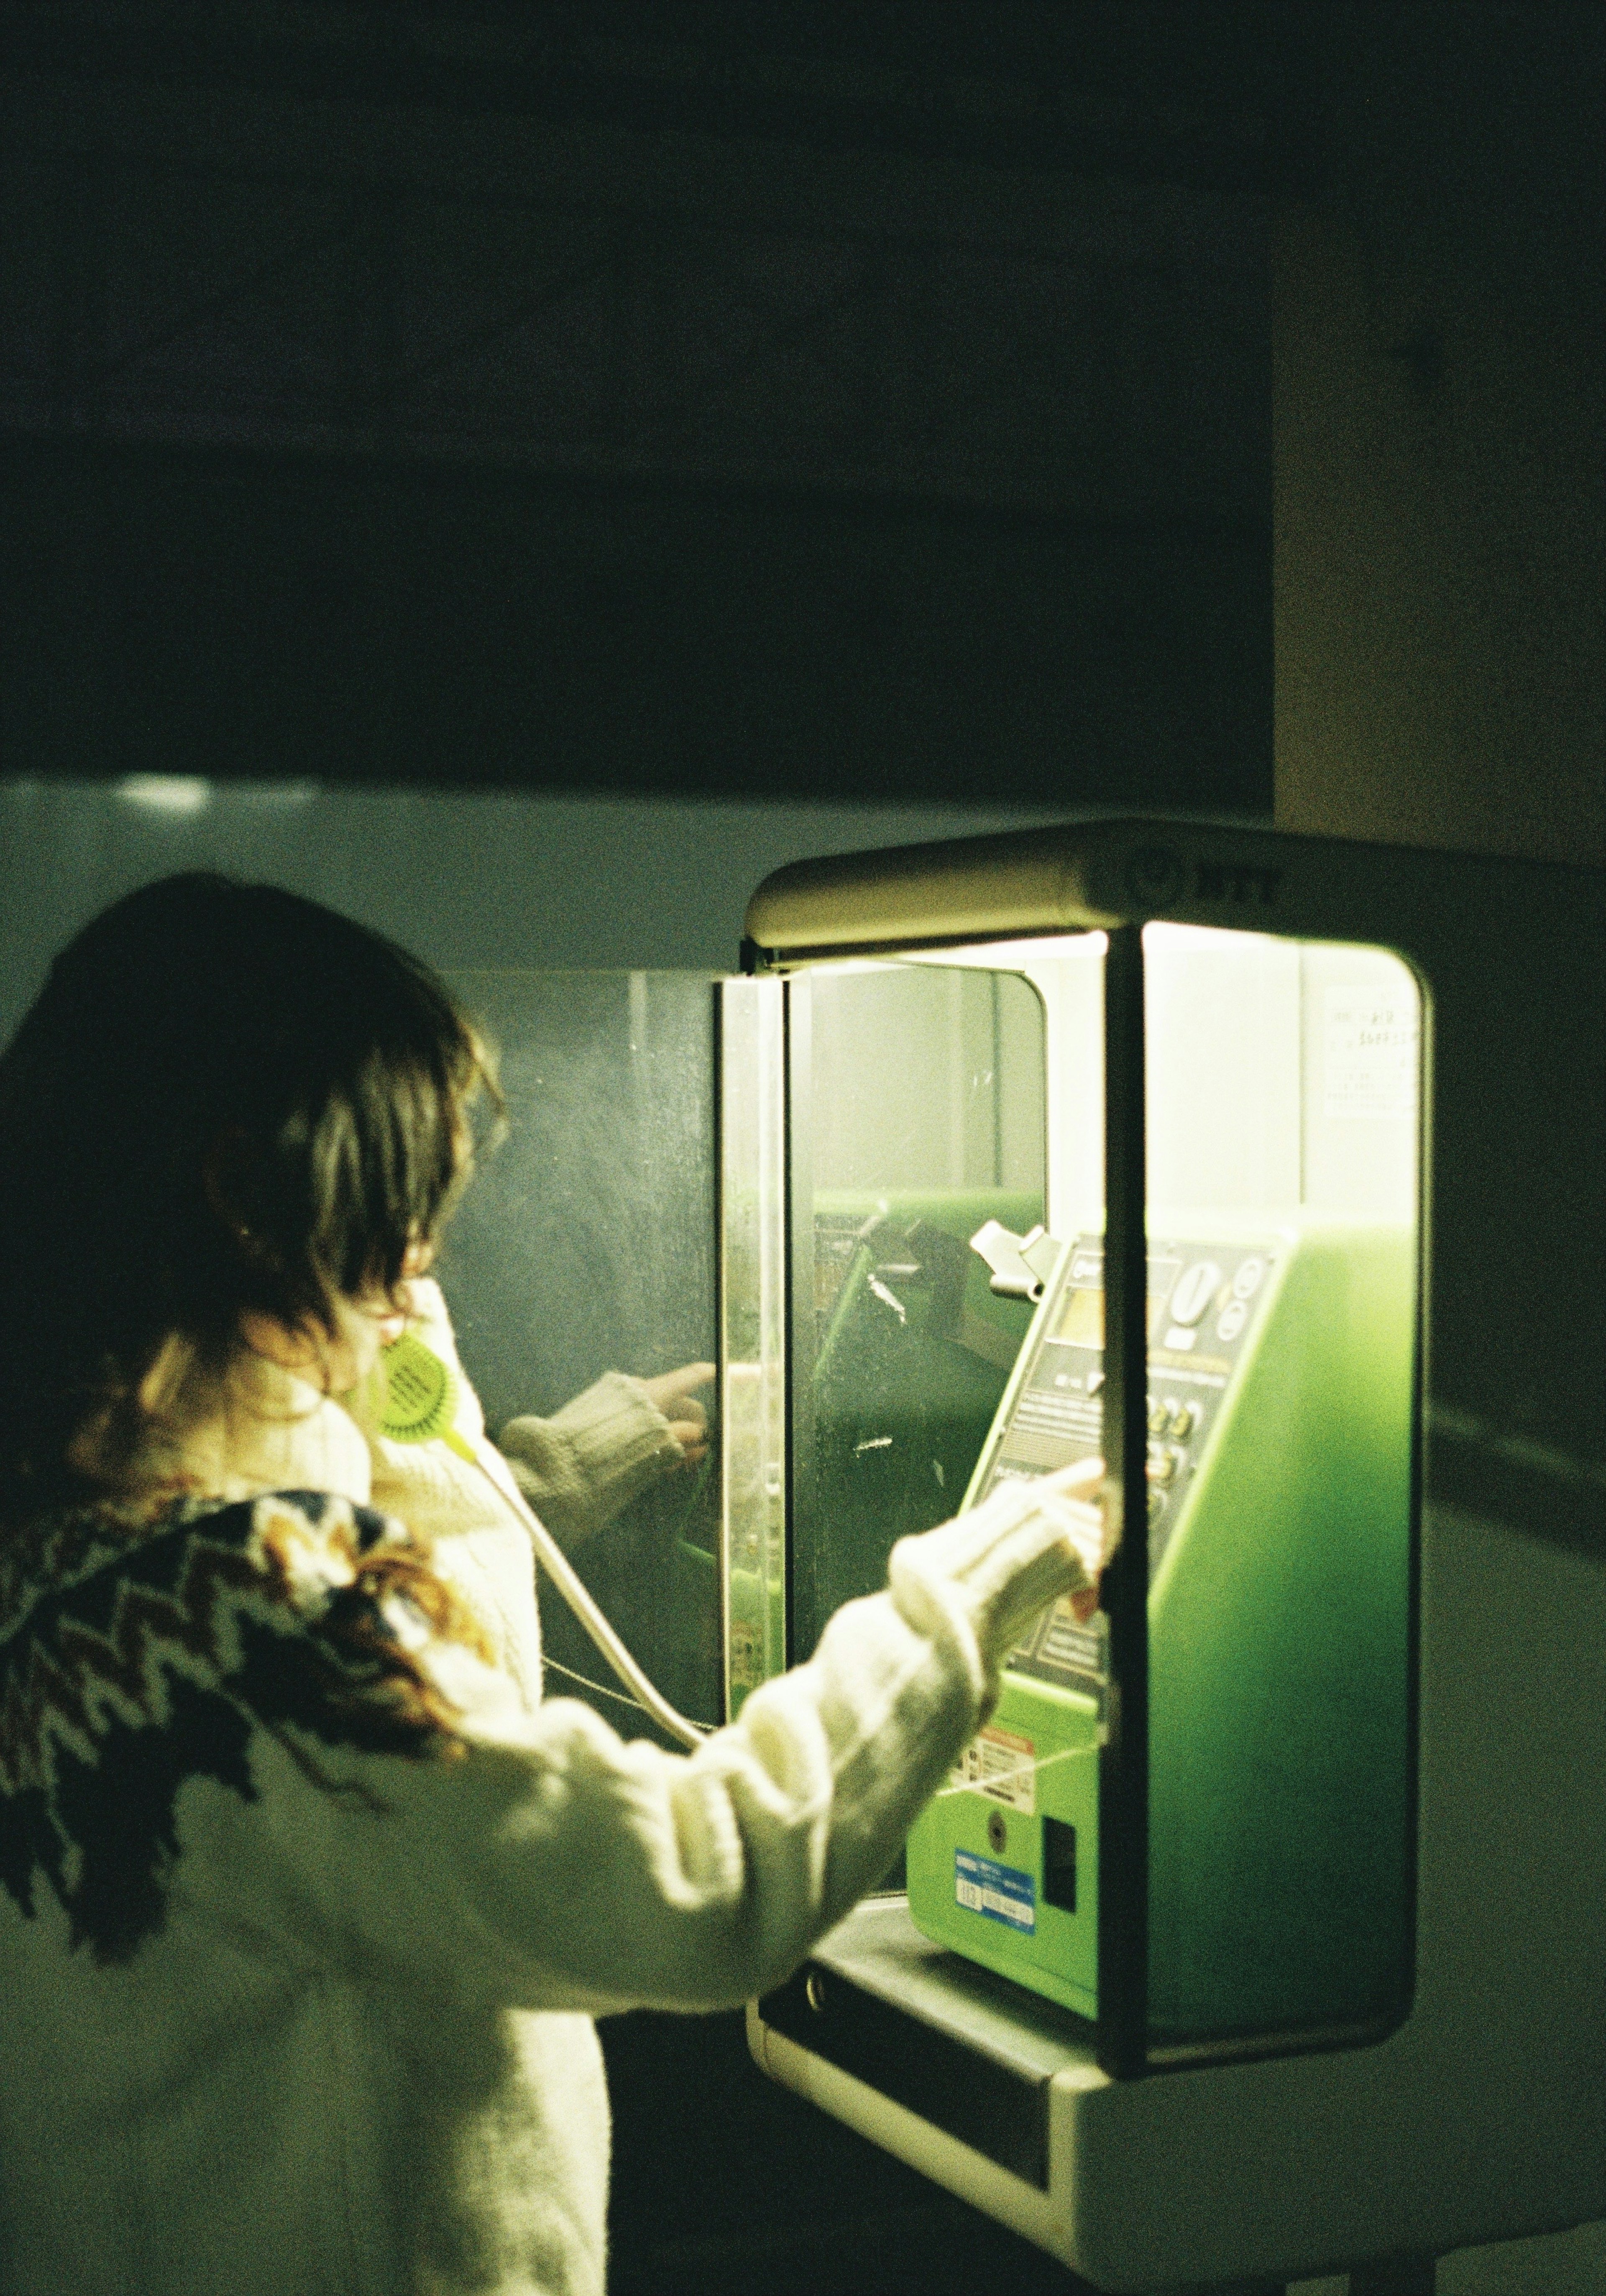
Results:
1059 1864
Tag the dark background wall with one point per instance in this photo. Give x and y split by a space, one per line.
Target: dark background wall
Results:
527 470
1439 402
239 613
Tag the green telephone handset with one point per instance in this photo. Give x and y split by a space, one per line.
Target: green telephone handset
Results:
421 1397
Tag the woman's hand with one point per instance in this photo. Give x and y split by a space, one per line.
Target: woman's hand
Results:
673 1393
1002 1563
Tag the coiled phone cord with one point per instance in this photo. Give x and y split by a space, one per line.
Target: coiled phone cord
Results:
421 1404
578 1596
575 1591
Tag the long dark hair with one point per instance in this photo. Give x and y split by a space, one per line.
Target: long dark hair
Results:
225 1098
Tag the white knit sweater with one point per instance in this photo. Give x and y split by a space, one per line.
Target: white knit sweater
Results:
310 1899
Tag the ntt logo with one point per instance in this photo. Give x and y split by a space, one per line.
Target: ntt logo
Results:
1156 876
1242 885
1153 875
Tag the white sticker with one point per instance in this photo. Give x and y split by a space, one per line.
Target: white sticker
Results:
1371 1053
999 1763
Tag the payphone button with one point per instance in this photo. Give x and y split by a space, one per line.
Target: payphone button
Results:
1194 1293
1162 1465
1159 1418
1183 1423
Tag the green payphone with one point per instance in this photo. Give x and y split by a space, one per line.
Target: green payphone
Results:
1278 1513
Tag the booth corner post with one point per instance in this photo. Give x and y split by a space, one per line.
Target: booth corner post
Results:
1122 1933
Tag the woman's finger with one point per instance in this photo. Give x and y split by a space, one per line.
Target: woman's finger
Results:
670 1388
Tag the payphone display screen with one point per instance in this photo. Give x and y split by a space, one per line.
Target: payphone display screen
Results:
1079 1321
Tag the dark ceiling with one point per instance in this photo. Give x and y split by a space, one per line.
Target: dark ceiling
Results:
1215 95
826 399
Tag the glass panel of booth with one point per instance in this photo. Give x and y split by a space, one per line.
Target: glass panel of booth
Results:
782 1177
1284 1131
587 1244
916 1117
753 1351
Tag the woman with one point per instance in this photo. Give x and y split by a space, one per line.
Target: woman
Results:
308 1899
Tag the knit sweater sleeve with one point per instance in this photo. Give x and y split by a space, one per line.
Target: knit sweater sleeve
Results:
413 1818
581 1466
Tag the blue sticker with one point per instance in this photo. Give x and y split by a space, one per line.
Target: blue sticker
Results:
1001 1892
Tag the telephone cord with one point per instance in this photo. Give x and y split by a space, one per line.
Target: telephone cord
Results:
619 1697
572 1587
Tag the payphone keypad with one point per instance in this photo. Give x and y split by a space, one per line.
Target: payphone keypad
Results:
1203 1299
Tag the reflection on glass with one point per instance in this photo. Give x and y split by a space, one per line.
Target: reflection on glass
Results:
917 1115
587 1244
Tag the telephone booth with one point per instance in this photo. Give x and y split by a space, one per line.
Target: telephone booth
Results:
1256 1935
